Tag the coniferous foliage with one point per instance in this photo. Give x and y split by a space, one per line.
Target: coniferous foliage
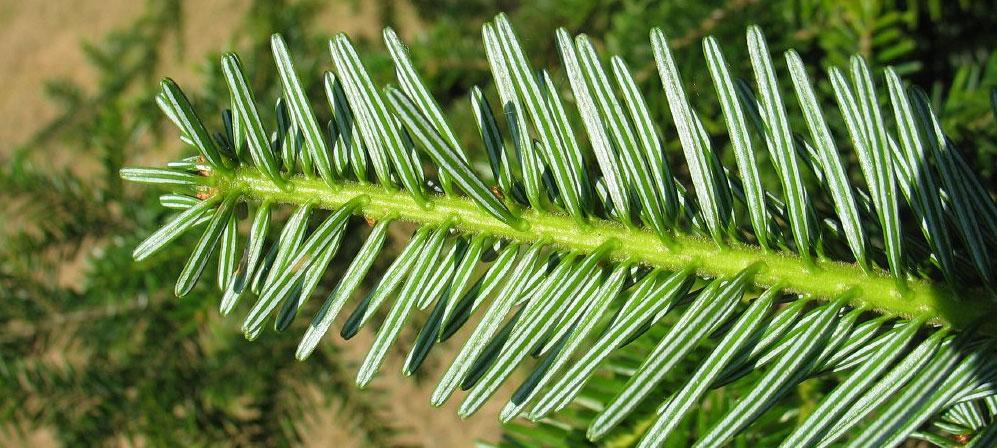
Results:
585 235
89 221
101 355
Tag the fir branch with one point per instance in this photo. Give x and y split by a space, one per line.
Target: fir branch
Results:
612 236
933 302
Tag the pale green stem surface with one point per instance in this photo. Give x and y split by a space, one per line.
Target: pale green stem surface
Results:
821 279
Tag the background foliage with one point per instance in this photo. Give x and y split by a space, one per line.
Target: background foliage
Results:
109 356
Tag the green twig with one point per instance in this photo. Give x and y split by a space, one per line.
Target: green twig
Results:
824 279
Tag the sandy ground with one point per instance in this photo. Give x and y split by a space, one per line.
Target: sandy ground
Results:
41 40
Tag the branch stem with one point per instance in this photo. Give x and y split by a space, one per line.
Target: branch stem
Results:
821 279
